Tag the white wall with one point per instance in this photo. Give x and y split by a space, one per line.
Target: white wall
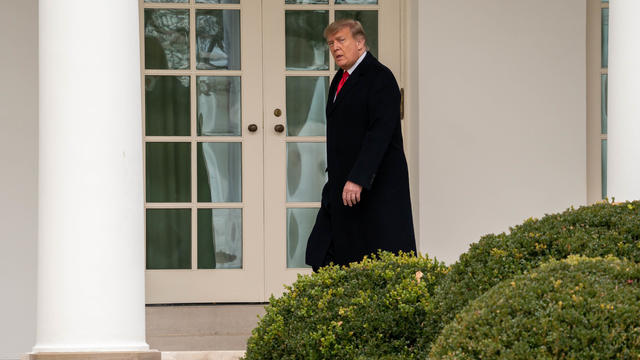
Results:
502 116
18 175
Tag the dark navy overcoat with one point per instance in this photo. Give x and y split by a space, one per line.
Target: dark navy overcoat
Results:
364 145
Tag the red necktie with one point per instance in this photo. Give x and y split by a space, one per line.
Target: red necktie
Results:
345 75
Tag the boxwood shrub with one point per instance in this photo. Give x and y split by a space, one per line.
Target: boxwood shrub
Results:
597 230
577 308
372 309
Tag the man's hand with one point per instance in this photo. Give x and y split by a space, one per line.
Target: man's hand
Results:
351 193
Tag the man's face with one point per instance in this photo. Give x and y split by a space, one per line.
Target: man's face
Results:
344 48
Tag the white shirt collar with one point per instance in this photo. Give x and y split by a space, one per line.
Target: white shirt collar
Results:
357 62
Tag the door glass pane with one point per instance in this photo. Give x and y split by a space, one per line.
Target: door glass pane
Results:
603 166
306 48
306 101
166 38
299 225
168 167
306 171
369 21
219 238
168 238
219 172
167 105
357 2
605 38
306 1
219 108
217 1
218 39
603 101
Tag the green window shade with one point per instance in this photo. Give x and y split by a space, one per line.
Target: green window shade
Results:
605 38
604 167
167 106
168 238
168 167
603 103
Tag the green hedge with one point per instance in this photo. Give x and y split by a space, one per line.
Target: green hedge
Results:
373 309
578 308
597 230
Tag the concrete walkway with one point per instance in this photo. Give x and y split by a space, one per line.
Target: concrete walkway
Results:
202 355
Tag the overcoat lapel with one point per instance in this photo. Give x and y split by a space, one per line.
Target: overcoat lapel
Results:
332 91
348 86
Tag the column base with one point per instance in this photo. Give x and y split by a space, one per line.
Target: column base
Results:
102 355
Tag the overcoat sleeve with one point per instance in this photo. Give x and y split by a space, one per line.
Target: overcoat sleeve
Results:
383 104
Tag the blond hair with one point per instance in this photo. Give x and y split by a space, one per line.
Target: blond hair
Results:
354 25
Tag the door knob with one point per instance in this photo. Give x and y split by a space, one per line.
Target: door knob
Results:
253 127
277 112
279 128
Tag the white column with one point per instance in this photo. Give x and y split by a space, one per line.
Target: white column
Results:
91 251
623 158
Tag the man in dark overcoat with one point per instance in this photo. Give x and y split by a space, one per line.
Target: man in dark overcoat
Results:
365 203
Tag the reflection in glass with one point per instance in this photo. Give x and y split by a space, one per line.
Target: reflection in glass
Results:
219 110
168 177
603 166
605 38
219 172
217 1
168 238
367 2
306 100
167 105
306 1
218 39
369 21
299 225
166 39
603 101
306 48
219 238
306 171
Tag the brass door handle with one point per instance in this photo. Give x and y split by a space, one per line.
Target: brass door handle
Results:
277 112
279 128
253 127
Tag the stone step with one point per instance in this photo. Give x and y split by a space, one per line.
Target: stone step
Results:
200 330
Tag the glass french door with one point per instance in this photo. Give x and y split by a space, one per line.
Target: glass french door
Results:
297 72
234 138
203 143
